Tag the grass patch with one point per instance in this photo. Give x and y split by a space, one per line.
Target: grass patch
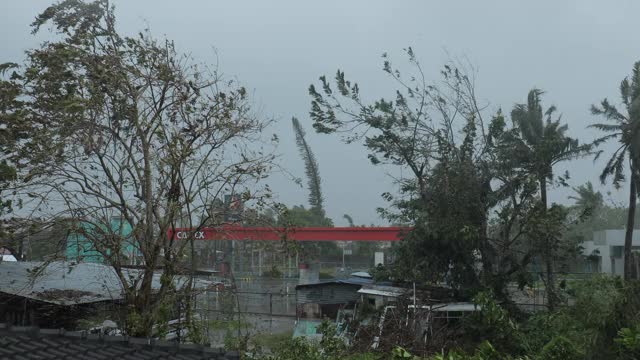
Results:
272 341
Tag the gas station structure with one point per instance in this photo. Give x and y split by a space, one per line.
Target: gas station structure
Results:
239 233
242 240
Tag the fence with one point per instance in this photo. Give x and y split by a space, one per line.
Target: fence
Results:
268 299
257 312
248 302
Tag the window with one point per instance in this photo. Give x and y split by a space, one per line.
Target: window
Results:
617 251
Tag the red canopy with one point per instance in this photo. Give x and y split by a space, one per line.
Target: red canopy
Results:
231 232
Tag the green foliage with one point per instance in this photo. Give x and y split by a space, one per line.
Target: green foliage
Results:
196 332
461 171
492 323
628 341
228 302
325 275
330 347
127 127
485 351
273 272
623 127
542 141
401 354
299 216
298 348
561 348
330 343
589 325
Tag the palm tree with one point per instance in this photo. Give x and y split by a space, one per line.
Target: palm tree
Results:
624 128
541 144
311 168
587 199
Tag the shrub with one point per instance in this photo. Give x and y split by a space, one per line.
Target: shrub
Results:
493 323
561 348
628 341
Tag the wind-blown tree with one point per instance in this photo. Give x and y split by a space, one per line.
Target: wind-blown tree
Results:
402 132
439 135
587 200
515 208
626 129
312 171
542 143
121 131
9 112
315 215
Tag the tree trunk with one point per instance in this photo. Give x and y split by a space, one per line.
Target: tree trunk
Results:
550 286
543 191
628 236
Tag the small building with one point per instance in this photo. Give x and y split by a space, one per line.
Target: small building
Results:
380 295
324 299
59 294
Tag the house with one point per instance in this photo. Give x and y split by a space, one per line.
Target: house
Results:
59 294
323 299
605 252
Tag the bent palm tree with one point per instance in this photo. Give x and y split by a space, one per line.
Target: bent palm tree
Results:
311 168
624 128
542 143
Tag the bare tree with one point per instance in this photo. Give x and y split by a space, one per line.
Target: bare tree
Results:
126 133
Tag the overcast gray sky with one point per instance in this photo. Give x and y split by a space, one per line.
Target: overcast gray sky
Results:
577 51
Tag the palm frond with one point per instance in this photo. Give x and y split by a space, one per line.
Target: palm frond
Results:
609 111
615 167
606 127
635 81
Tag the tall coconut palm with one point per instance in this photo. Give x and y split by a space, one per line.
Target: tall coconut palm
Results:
626 129
542 143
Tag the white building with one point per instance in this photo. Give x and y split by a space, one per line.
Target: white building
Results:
607 248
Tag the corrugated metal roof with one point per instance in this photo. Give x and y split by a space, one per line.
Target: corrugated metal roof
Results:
26 343
380 290
362 274
352 281
456 307
327 294
67 283
459 306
